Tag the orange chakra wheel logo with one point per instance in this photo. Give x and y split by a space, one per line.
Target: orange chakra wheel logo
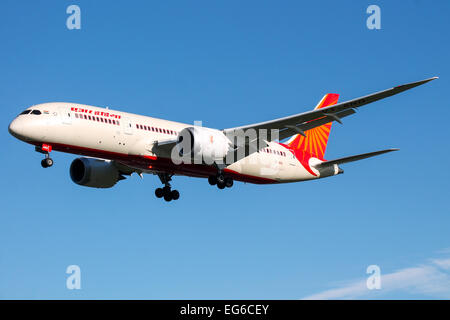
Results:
316 139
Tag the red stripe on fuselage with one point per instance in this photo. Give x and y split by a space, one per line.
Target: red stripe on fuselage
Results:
156 163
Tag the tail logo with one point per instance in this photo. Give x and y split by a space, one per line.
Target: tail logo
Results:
316 139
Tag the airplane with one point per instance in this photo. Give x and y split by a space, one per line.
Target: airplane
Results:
114 144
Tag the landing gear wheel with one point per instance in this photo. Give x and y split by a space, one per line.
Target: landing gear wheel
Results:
212 180
175 194
168 196
166 190
159 193
228 182
221 185
220 179
47 162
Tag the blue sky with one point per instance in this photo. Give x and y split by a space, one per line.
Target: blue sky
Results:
230 63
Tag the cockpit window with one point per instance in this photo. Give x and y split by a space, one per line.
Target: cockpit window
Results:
36 112
25 112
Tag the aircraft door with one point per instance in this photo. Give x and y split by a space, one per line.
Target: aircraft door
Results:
128 126
66 116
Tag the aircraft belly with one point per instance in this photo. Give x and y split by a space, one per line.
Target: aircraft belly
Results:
271 167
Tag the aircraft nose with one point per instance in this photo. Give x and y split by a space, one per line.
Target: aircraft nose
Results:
15 128
18 129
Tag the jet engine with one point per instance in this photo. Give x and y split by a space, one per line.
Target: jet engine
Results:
324 170
207 144
94 173
329 171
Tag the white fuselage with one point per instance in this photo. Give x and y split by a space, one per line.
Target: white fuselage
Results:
128 139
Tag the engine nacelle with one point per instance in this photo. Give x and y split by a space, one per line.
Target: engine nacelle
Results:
94 173
209 145
329 171
324 171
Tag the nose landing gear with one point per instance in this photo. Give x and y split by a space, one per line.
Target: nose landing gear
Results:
45 149
47 162
166 192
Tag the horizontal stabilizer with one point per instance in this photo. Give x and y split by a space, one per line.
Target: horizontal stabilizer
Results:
353 158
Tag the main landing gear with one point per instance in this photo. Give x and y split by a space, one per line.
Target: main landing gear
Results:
221 181
166 192
47 161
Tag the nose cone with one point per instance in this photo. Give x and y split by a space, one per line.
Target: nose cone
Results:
15 128
19 129
28 128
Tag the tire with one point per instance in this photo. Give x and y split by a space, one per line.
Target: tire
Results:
48 161
175 195
220 179
44 164
221 185
159 193
228 182
212 180
168 196
166 190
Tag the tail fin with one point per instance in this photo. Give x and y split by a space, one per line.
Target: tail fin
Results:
316 139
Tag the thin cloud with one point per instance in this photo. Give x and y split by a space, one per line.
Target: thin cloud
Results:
430 279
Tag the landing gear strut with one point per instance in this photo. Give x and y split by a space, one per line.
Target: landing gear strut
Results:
221 181
47 161
166 192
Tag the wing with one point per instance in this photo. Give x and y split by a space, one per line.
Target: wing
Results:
353 158
302 122
162 148
299 123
